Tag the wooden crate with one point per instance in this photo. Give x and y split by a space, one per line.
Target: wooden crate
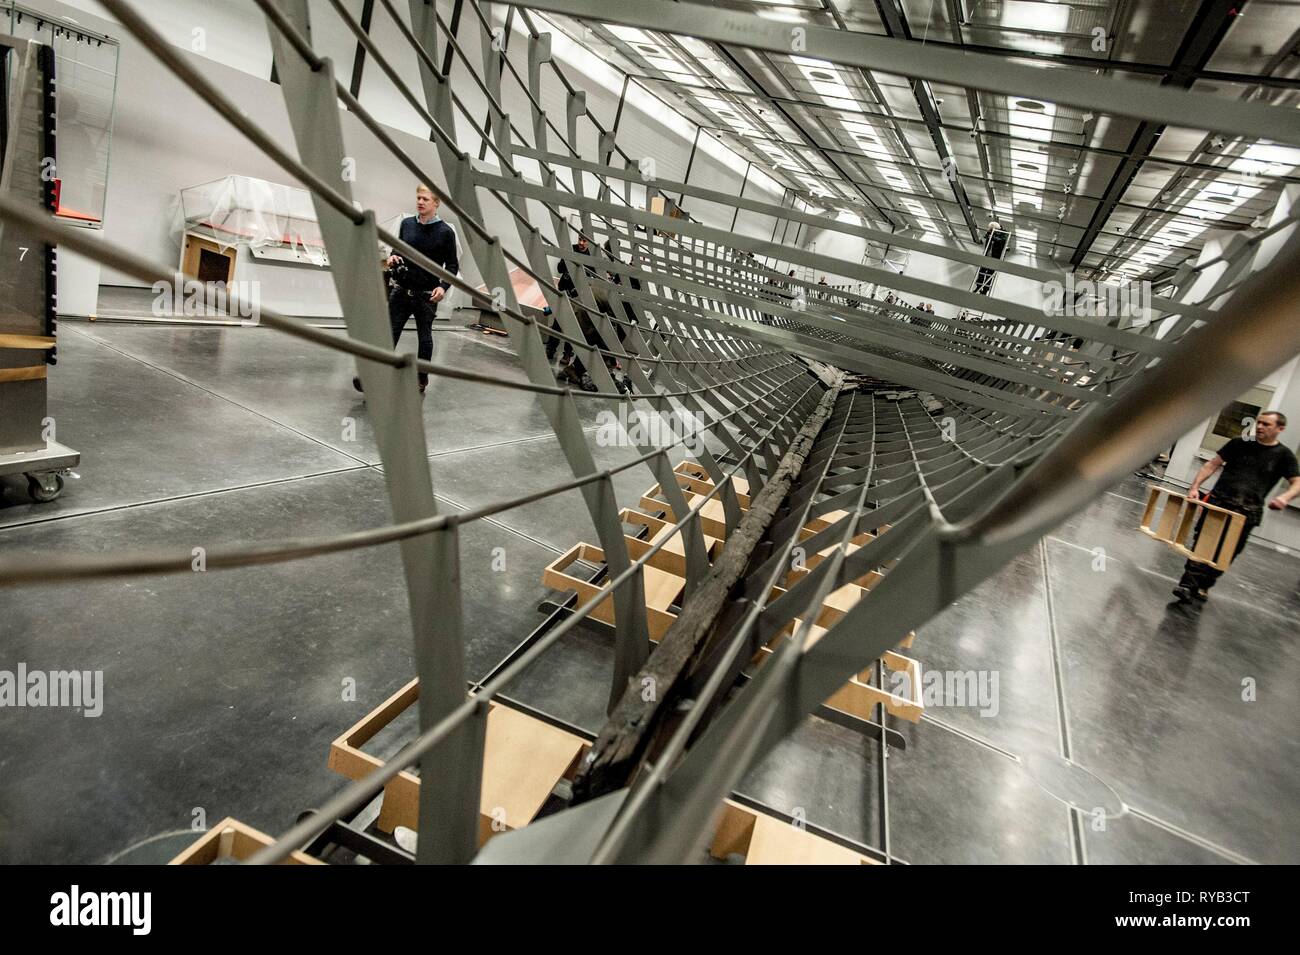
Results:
231 839
663 576
665 582
1170 517
661 530
523 759
858 696
765 840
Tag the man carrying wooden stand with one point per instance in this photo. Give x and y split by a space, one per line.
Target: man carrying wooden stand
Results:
1251 469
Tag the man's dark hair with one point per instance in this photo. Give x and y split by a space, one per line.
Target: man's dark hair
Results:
1281 418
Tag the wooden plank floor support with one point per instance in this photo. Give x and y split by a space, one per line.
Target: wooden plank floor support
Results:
858 696
661 530
765 840
1171 517
664 575
666 582
523 759
230 839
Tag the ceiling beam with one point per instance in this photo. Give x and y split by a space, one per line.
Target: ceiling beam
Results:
951 128
1122 66
758 88
996 74
1208 27
891 14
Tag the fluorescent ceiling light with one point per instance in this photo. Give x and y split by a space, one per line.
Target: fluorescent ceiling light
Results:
630 34
1039 17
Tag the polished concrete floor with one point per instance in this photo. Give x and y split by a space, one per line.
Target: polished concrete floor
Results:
223 690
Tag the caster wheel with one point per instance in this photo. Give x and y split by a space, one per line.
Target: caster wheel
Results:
45 487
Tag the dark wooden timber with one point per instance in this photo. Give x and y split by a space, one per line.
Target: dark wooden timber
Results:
619 748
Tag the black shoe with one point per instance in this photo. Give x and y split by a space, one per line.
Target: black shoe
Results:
1201 595
356 383
1184 594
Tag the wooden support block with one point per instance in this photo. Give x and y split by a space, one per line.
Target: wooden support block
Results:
860 540
816 524
1171 517
402 792
523 759
839 601
693 477
1149 512
765 840
28 373
664 581
866 581
1207 544
858 696
689 483
821 523
231 839
1231 537
661 530
38 342
697 471
712 516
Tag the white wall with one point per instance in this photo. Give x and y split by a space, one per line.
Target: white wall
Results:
165 138
216 30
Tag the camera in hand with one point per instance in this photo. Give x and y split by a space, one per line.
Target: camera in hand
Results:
399 276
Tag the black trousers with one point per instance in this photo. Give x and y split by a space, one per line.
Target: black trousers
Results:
553 343
569 357
1203 576
401 306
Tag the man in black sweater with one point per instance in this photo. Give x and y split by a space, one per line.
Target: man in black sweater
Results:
1251 469
413 290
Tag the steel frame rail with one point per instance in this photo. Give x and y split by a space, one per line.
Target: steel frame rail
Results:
719 330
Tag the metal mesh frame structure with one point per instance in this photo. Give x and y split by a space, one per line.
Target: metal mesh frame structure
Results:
1112 196
1040 411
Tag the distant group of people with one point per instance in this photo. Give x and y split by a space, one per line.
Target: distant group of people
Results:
571 368
892 301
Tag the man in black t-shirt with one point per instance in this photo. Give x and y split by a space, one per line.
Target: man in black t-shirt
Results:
1251 469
